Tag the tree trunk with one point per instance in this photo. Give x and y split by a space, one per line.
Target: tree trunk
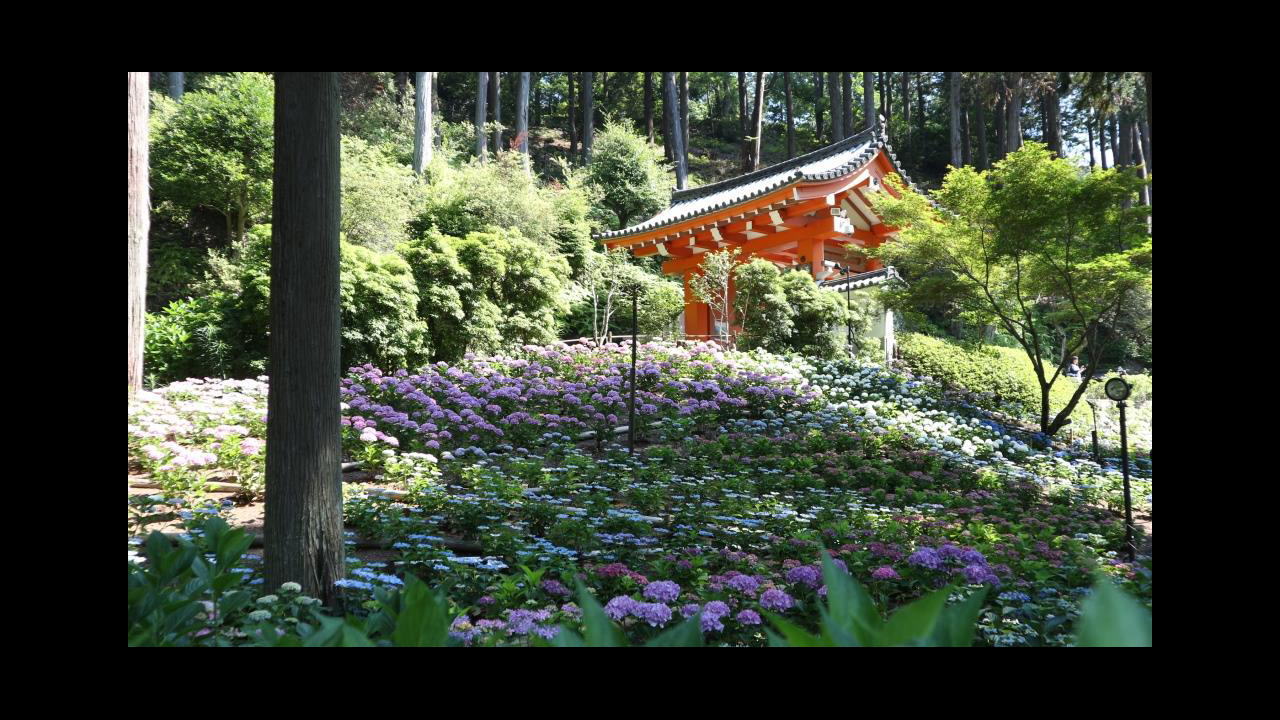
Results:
1052 121
1013 121
817 106
303 540
744 151
522 118
1124 148
536 81
904 83
757 121
1142 163
837 106
422 122
495 109
966 141
482 97
684 115
573 119
176 83
402 88
648 105
885 91
980 120
957 156
1001 118
868 99
1102 138
673 131
139 221
846 84
588 115
791 121
1088 128
1114 132
1146 131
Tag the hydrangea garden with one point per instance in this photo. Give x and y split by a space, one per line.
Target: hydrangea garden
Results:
501 480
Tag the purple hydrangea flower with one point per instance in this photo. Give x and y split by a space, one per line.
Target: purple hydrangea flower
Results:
972 557
663 591
949 551
749 617
555 587
979 574
885 573
715 608
807 574
656 614
744 584
927 558
712 623
774 599
690 610
620 607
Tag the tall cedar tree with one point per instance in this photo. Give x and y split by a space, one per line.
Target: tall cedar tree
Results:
684 115
176 82
957 157
791 120
482 96
588 115
139 222
904 80
817 105
303 525
522 119
743 143
757 121
673 130
1013 121
980 123
868 100
846 81
495 109
573 118
648 105
837 106
422 138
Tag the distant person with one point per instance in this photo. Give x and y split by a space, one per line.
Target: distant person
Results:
1073 368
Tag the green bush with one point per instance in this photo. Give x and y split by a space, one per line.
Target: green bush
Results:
380 322
379 196
184 340
628 175
817 313
997 375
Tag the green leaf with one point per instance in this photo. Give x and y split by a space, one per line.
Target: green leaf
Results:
600 630
686 634
792 635
1111 618
424 617
914 624
564 638
958 622
354 637
851 607
232 602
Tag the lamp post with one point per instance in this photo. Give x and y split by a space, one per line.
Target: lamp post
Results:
1117 389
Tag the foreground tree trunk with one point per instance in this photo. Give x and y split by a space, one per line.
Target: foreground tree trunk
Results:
868 99
522 118
791 120
139 222
673 130
482 97
176 83
422 138
303 526
588 115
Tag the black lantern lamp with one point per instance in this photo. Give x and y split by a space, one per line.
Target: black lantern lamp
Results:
1117 389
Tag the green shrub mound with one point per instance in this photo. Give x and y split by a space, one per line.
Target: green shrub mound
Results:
999 377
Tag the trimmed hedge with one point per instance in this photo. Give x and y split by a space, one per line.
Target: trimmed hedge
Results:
998 375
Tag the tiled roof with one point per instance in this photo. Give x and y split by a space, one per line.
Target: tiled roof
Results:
861 280
828 163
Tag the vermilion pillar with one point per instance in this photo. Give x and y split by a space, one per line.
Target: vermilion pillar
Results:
697 315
